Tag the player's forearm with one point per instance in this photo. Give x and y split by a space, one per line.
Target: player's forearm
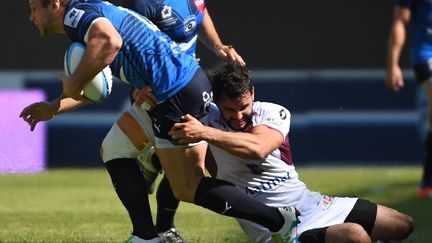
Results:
395 44
64 104
240 144
208 34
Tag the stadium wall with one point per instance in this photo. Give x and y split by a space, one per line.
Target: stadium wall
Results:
269 34
338 117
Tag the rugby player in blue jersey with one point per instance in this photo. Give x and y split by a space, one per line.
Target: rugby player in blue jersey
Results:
140 54
418 15
185 22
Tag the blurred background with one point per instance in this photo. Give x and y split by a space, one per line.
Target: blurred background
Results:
324 61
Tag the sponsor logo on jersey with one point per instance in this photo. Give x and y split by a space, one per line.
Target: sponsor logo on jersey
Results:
73 17
199 5
268 185
326 201
189 24
207 98
283 115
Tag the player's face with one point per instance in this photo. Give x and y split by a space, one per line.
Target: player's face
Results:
41 17
237 112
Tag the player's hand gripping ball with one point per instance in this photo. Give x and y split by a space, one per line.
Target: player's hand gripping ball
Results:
100 86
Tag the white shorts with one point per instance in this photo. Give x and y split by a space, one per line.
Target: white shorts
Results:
317 211
116 143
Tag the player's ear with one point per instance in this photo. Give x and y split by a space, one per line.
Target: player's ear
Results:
55 4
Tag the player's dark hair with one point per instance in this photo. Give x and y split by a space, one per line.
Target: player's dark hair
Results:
46 3
231 80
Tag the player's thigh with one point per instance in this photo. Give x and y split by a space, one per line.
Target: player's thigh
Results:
131 134
117 145
137 126
184 168
391 224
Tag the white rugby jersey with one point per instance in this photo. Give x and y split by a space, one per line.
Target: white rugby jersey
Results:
256 176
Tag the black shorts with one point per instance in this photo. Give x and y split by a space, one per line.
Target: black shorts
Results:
193 99
423 71
363 213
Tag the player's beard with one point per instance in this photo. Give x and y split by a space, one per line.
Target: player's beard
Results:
241 125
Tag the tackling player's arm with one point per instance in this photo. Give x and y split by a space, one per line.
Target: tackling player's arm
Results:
103 44
257 143
396 41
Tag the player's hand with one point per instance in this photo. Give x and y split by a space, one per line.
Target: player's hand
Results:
228 52
70 89
394 79
189 131
36 112
144 97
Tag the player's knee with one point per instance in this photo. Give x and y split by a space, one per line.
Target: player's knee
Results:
117 145
185 193
185 190
406 226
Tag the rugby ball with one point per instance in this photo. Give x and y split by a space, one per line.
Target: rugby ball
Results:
100 86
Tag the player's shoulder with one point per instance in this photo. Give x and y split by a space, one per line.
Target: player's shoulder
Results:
266 111
260 107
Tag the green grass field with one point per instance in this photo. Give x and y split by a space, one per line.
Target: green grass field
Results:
79 205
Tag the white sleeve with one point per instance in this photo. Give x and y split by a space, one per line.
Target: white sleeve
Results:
276 117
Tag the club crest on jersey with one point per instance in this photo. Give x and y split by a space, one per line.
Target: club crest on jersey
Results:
166 11
189 24
73 17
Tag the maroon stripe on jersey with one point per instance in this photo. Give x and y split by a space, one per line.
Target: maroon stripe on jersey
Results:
285 151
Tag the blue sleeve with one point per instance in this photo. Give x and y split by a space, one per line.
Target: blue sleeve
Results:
78 19
147 8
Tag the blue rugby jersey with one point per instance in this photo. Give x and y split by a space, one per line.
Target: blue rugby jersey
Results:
147 57
420 29
179 19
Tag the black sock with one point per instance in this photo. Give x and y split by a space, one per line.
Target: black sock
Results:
427 161
167 205
130 187
224 198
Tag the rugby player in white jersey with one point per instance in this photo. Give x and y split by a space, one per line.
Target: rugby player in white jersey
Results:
249 143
